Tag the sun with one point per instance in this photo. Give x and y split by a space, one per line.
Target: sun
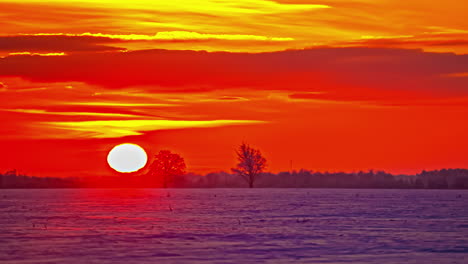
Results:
127 158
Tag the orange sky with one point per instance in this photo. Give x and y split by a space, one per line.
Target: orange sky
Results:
331 85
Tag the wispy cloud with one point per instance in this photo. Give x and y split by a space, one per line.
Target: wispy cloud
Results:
450 40
119 104
457 75
220 6
122 128
27 53
243 25
170 35
75 114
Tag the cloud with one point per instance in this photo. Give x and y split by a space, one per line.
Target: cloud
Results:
171 36
458 74
122 128
360 72
56 43
51 43
26 53
119 104
245 25
223 6
430 41
70 113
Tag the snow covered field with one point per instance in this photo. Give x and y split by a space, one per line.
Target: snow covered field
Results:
233 226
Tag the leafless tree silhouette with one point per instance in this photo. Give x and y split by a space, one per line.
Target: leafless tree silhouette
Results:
251 163
166 166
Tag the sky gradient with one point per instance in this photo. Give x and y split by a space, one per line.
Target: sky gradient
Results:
329 85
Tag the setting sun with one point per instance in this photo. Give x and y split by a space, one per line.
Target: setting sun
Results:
127 158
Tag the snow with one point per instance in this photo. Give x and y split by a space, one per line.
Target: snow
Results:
233 226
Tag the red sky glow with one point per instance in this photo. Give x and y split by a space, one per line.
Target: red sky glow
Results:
331 85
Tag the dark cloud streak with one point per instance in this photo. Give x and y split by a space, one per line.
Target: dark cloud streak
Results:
356 71
57 43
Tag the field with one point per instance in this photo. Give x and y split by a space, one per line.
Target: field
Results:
233 226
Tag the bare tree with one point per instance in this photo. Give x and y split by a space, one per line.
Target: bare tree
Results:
166 166
251 163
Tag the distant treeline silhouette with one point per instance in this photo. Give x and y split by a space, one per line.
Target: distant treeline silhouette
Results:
437 179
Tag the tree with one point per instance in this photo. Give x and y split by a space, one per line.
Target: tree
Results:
251 163
166 166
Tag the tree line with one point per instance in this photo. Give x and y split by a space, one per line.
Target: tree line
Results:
167 170
438 179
